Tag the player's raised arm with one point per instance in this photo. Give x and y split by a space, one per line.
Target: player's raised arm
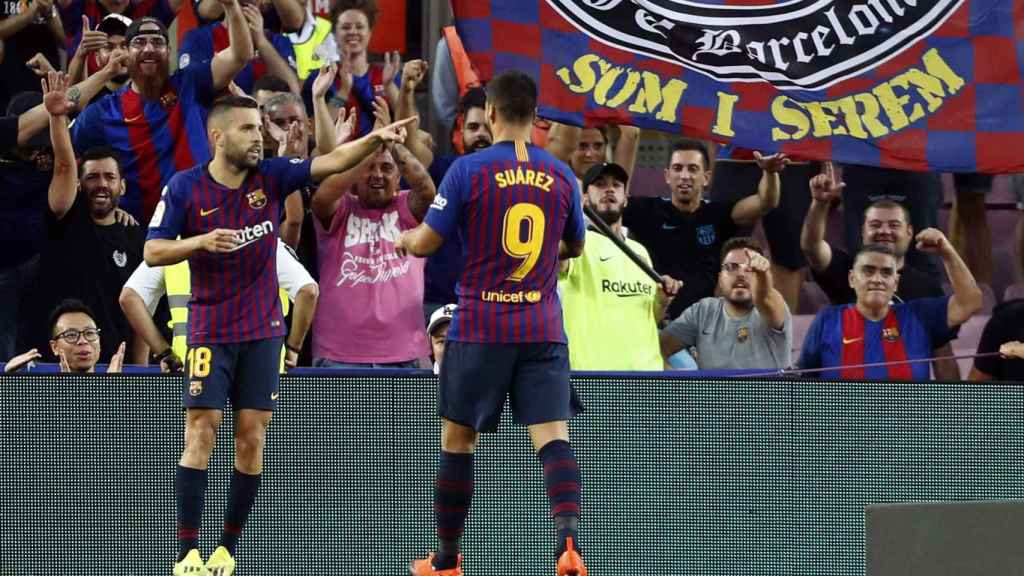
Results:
348 155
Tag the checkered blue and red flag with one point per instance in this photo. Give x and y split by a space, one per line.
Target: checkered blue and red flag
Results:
909 84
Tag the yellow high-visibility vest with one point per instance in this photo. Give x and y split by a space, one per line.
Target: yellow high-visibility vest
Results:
306 57
178 281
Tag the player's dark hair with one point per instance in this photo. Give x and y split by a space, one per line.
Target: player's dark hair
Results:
270 83
514 96
740 243
99 153
69 306
475 97
228 103
888 205
367 7
687 144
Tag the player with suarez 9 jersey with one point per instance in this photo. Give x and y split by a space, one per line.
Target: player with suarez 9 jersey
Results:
517 210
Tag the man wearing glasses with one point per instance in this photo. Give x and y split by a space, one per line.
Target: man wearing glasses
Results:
156 123
75 342
748 327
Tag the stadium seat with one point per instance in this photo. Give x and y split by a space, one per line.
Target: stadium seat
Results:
801 322
967 342
812 298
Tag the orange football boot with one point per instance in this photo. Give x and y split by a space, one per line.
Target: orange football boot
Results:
570 563
425 567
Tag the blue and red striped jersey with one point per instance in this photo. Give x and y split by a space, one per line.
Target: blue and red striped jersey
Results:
234 294
153 139
922 327
510 205
204 42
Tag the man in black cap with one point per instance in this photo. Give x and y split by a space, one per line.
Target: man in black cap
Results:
156 123
96 49
611 307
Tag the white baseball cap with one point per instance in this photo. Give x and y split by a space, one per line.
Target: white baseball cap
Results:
440 316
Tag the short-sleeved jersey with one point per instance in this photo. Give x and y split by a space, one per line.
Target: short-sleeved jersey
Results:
683 246
509 205
921 323
609 305
201 44
234 294
153 139
914 284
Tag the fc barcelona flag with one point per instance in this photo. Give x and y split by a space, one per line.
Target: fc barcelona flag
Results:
910 84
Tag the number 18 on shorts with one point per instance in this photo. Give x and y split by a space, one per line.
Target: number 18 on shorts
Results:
246 373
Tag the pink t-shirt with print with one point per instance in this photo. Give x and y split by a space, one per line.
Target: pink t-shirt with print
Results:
371 299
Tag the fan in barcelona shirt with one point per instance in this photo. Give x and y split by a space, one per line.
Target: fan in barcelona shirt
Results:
157 122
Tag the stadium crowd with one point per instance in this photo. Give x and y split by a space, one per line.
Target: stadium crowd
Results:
103 105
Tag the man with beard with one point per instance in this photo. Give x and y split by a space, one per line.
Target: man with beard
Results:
471 134
874 331
748 327
222 217
365 286
684 233
97 48
612 308
88 254
886 223
156 123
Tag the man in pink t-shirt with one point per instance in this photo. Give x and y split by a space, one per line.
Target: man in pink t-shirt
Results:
371 299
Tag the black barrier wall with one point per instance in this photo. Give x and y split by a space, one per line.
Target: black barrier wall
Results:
708 477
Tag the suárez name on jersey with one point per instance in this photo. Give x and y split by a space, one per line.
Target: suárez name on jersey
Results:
524 176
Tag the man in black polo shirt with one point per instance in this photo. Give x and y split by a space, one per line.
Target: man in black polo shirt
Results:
885 222
88 253
684 233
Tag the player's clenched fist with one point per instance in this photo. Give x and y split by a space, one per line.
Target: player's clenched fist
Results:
219 240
